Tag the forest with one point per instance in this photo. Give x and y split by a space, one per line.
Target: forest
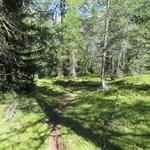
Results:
74 75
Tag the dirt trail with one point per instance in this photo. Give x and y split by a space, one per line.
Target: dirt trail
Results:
55 139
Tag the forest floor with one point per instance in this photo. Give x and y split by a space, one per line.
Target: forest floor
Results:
67 114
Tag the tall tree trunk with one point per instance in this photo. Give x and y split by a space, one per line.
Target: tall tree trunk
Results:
119 61
73 64
102 77
60 63
62 9
112 67
60 72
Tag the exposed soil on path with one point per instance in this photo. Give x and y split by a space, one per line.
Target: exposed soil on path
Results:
55 139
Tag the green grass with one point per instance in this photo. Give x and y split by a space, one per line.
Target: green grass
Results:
94 120
26 130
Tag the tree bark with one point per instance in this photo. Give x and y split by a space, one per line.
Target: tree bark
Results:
104 52
119 61
60 72
112 67
62 9
73 65
60 63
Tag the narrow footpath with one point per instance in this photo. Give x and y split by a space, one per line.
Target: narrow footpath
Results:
55 138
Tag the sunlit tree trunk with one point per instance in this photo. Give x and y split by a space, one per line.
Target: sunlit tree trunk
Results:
104 52
60 72
118 71
73 64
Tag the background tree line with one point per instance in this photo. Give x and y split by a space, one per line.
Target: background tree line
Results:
72 38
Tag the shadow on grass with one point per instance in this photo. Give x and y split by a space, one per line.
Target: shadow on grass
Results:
102 130
16 137
101 123
121 84
93 86
100 140
86 85
26 133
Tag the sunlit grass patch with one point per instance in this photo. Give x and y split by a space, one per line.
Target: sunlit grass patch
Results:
119 117
49 84
72 141
93 120
26 130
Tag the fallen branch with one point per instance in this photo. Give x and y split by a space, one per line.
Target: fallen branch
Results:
12 108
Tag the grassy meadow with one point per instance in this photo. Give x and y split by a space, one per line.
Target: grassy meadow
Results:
118 119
